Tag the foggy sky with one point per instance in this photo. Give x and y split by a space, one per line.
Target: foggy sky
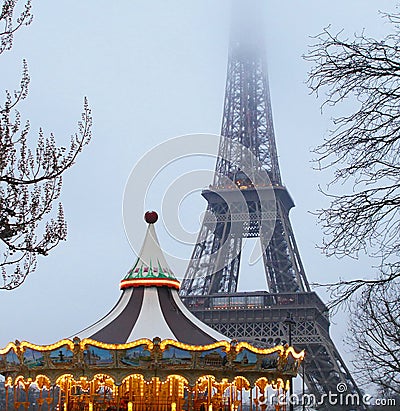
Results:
155 70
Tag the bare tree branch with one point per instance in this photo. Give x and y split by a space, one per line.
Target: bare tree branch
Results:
375 336
363 149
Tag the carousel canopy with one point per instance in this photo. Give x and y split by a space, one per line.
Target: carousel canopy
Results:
148 353
149 305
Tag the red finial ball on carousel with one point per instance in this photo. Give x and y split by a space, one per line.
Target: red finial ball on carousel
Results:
151 217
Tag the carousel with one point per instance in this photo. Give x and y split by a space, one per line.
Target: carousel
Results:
148 353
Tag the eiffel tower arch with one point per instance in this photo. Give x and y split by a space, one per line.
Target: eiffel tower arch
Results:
247 199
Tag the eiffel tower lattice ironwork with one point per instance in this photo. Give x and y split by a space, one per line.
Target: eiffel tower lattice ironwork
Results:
247 200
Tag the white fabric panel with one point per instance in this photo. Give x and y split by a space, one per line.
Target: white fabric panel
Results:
151 253
110 317
151 322
208 330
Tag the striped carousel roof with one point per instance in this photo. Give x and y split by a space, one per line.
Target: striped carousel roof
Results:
149 305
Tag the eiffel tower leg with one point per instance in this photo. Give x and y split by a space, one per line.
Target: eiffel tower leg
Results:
259 318
215 262
327 376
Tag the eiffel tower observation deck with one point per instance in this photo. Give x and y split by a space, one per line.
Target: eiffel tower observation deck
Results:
248 200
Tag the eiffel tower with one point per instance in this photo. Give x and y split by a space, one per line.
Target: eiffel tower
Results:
248 200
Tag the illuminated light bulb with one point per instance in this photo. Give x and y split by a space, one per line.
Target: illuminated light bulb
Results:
90 406
173 406
210 407
130 406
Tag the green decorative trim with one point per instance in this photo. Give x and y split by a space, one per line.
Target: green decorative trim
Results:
139 271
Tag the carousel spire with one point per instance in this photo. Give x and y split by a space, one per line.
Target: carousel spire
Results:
149 305
151 268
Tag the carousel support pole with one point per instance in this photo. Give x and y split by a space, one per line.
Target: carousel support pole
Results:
89 398
54 397
251 399
154 396
26 395
278 405
236 397
165 405
117 388
59 399
304 385
163 395
47 398
6 397
209 406
158 395
176 398
165 399
40 402
179 400
67 388
130 390
169 397
15 394
190 398
143 395
26 388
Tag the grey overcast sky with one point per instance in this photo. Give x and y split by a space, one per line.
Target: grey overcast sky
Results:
153 70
